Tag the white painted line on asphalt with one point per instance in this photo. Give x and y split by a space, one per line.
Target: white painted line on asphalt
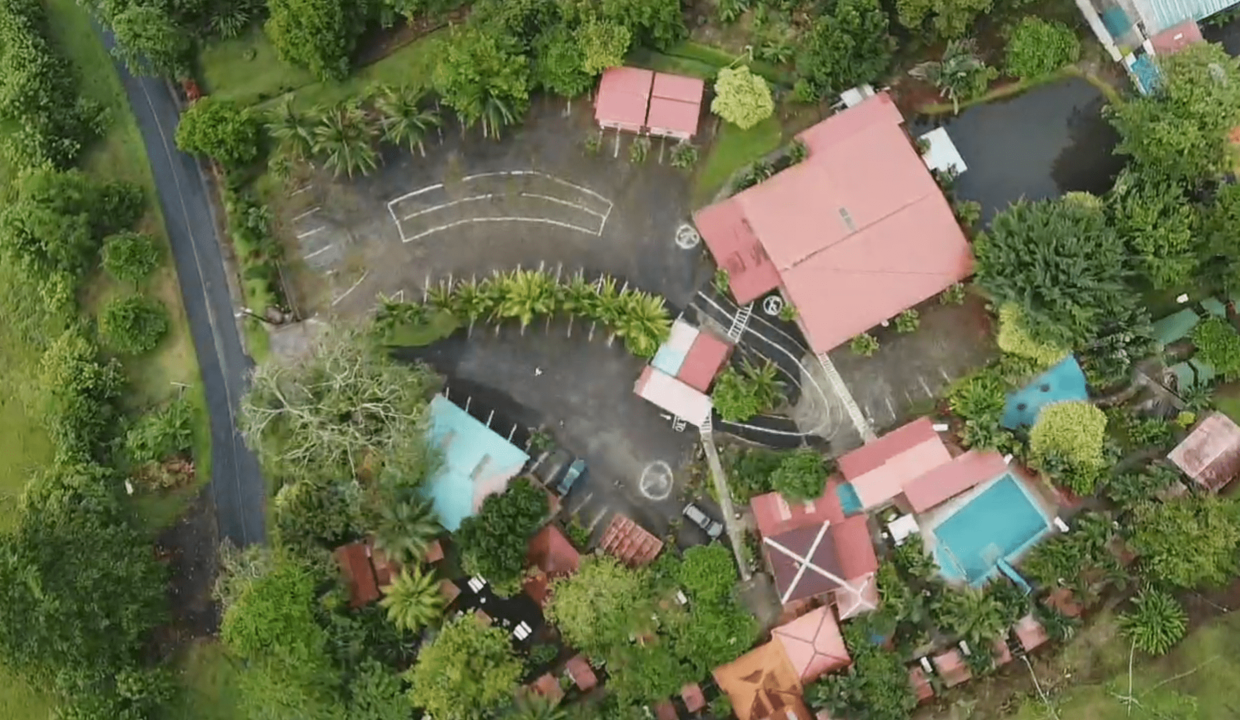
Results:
536 173
415 193
656 481
351 289
444 206
451 225
307 213
582 504
308 233
566 203
298 192
323 249
594 523
755 428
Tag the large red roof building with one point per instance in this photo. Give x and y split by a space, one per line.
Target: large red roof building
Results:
853 235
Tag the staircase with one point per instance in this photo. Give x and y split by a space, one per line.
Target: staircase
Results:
739 322
864 429
678 424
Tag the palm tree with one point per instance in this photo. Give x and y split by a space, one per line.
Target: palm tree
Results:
971 615
468 301
406 529
959 75
413 600
531 706
402 118
393 314
527 293
293 130
495 115
643 323
343 139
440 296
606 308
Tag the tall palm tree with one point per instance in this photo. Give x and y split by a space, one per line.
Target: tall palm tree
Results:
643 323
293 130
536 707
405 529
413 600
496 114
972 615
343 140
527 293
402 117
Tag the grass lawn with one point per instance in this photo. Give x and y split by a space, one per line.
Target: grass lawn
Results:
208 680
1204 665
731 150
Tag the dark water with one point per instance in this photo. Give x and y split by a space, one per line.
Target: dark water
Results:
1047 142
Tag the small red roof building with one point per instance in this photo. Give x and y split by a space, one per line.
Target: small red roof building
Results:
553 556
638 100
547 686
1210 455
675 106
879 470
952 668
1175 39
814 644
1030 633
359 573
853 235
704 360
629 542
580 672
694 698
665 710
921 684
762 684
623 96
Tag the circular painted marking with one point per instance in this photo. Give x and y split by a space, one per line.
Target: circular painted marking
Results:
687 237
772 305
656 481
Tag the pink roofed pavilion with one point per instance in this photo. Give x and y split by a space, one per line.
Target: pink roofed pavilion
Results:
853 235
814 644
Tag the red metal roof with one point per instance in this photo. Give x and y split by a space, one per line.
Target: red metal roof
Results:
775 515
723 227
857 232
796 579
354 560
665 710
881 470
552 553
814 644
855 547
1210 454
921 684
702 363
1030 632
549 687
947 481
951 667
1175 39
629 542
693 696
623 96
678 87
581 672
673 117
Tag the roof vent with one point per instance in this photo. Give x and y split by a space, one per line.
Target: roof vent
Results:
848 221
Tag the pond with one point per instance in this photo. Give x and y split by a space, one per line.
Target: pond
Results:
1046 142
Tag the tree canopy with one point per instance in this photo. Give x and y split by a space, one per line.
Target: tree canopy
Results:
493 542
467 672
599 606
319 35
742 98
220 130
1159 224
1186 541
843 48
801 475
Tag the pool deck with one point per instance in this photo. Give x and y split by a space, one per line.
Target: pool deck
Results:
1037 495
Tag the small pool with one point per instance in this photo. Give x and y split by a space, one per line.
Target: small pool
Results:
999 524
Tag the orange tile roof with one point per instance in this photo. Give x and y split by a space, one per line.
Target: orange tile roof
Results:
952 668
629 542
762 683
581 672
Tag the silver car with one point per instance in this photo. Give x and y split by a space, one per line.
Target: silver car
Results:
697 516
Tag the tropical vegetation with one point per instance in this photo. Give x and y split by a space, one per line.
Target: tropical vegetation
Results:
741 393
1156 622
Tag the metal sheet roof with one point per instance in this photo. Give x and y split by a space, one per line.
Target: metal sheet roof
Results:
1162 15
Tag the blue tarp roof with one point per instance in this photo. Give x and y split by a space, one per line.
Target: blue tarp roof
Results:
475 458
1065 381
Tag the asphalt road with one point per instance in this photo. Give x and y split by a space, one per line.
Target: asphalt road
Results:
237 486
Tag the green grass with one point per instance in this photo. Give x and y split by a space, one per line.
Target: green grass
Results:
439 326
209 684
732 150
701 61
19 702
247 71
412 65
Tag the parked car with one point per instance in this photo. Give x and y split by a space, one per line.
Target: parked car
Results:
550 468
574 471
713 528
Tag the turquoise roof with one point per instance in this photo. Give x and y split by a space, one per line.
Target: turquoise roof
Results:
1165 14
475 460
1063 382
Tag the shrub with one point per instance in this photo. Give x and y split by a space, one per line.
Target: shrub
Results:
907 321
160 435
980 395
684 156
1156 623
749 472
1073 433
739 395
798 151
953 295
1038 47
864 345
985 433
221 131
134 324
800 476
742 98
542 655
639 150
1218 344
1013 338
130 257
720 281
593 143
968 212
788 312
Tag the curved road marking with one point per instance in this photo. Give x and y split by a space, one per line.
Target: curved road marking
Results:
656 481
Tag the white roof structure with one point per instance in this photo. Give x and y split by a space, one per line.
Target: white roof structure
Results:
942 155
673 396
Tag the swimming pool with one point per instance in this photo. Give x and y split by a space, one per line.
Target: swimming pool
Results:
999 524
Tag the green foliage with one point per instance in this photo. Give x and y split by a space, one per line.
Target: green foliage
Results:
57 220
953 295
713 633
1072 432
842 49
864 345
319 35
1156 623
220 130
798 152
160 434
377 693
542 655
405 527
468 671
80 593
800 476
969 214
948 19
133 325
684 156
1061 263
1180 132
1219 250
80 393
49 121
483 77
404 118
912 559
1038 47
558 65
130 257
960 75
638 150
1072 556
749 472
751 390
1218 344
603 45
255 244
597 608
272 619
344 140
1160 226
313 513
1186 541
721 280
986 433
907 321
742 98
981 395
147 37
972 615
1014 338
708 573
413 600
876 686
493 541
788 313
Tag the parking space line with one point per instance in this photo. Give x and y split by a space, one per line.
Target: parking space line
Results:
323 249
597 518
451 225
308 233
536 173
566 203
351 289
582 504
307 213
415 193
298 192
451 203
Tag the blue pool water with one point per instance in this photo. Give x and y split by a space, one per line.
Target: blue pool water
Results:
849 502
997 525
